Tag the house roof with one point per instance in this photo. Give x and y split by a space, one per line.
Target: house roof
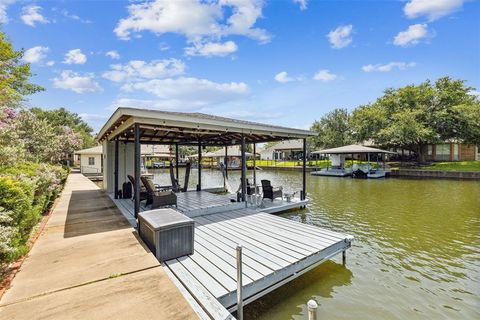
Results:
167 127
232 151
296 144
353 148
93 150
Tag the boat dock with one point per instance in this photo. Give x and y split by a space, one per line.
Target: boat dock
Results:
238 245
275 250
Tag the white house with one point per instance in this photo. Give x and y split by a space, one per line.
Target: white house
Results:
283 150
90 160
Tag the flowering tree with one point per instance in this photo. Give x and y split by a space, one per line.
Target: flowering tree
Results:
25 137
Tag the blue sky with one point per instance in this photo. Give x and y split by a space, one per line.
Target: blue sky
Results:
283 62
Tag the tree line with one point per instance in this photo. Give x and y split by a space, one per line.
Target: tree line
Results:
33 134
410 117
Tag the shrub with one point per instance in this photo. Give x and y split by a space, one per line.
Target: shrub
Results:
26 193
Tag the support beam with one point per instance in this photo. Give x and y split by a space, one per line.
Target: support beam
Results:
244 169
226 162
199 185
115 169
176 160
137 169
255 167
304 171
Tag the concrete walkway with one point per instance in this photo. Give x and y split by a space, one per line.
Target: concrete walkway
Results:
89 264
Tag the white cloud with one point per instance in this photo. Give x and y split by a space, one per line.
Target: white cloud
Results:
3 10
113 54
75 17
31 15
324 75
137 70
283 77
92 116
190 91
340 37
412 36
50 63
302 3
211 49
76 82
388 67
196 20
35 54
431 9
75 56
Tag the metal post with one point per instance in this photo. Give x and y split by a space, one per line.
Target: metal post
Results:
255 170
199 185
116 169
304 171
226 162
312 309
239 284
176 160
344 257
244 170
137 169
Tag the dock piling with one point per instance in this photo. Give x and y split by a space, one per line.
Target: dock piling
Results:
312 309
344 257
239 284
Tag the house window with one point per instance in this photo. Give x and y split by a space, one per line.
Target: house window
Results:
91 161
442 152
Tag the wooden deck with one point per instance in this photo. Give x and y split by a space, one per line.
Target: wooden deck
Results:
275 250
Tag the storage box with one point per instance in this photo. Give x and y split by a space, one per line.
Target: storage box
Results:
168 233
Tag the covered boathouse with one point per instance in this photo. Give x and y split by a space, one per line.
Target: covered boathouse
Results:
273 250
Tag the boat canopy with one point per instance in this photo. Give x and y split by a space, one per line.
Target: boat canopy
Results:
353 148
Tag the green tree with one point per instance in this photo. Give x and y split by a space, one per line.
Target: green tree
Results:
414 116
62 118
333 130
14 75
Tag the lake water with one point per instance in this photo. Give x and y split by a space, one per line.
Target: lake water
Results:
416 253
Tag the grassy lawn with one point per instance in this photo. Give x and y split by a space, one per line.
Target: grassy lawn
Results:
454 166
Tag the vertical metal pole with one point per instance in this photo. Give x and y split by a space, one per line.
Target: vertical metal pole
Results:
226 162
312 309
199 185
244 170
176 160
116 169
344 257
255 167
239 284
304 171
137 168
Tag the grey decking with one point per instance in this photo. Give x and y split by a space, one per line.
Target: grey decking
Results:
275 249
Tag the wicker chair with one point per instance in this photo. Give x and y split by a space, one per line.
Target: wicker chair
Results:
158 198
269 192
143 191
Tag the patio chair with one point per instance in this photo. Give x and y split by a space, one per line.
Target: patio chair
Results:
158 198
270 192
175 184
143 191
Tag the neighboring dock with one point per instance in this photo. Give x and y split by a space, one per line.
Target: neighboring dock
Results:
89 264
